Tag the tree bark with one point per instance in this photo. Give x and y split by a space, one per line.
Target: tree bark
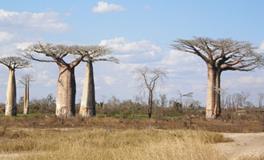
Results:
150 104
218 94
211 94
11 107
66 91
26 98
87 108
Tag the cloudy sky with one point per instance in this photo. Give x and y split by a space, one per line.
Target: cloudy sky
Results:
139 32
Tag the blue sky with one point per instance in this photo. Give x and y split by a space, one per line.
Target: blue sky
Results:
140 33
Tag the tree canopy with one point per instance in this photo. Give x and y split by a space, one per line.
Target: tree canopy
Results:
14 62
224 54
57 53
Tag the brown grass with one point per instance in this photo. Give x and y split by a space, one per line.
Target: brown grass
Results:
110 144
252 158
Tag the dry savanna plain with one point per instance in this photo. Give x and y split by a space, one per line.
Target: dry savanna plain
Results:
131 80
187 137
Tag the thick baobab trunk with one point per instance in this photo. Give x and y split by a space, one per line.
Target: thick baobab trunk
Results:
26 98
11 107
66 90
150 104
87 108
218 94
211 94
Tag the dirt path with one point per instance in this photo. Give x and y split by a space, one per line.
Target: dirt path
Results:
244 145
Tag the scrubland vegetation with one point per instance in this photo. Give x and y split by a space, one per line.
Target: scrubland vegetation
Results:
117 114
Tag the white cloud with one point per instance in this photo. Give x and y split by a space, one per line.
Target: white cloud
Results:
43 77
44 21
250 80
109 80
183 63
260 48
177 57
5 36
104 7
130 67
23 45
121 45
242 81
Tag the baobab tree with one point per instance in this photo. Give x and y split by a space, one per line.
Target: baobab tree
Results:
150 78
25 81
219 55
88 103
260 99
66 58
12 63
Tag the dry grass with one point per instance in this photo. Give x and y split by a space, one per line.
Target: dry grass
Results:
252 158
100 144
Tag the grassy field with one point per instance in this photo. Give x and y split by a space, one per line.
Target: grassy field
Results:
41 137
252 158
109 144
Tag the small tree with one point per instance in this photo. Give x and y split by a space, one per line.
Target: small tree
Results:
88 103
12 63
149 78
66 85
219 55
25 81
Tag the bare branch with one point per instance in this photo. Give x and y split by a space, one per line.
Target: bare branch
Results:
46 52
109 59
191 46
150 76
100 53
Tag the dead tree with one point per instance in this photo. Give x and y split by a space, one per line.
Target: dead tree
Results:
150 78
12 63
183 95
25 81
219 55
66 58
88 103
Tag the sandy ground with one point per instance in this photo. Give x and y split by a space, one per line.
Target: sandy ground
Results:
244 145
